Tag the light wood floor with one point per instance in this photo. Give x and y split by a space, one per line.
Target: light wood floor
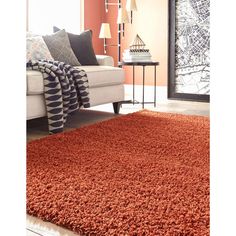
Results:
38 128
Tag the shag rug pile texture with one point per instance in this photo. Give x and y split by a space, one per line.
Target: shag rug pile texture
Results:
145 173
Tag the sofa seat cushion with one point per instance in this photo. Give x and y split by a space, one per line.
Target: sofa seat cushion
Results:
98 76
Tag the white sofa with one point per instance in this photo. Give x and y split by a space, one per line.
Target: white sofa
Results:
106 85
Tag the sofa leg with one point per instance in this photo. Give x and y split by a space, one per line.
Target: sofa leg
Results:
116 107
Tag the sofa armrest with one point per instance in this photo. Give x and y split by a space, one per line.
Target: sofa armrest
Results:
104 60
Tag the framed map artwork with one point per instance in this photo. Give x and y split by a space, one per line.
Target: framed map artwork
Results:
189 50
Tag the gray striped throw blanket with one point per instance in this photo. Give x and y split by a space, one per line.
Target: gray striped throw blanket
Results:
65 90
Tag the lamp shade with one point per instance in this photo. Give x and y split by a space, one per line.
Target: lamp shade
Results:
105 32
122 16
131 5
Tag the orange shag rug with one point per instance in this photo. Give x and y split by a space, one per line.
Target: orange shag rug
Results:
145 173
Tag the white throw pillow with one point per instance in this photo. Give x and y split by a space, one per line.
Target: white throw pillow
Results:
37 49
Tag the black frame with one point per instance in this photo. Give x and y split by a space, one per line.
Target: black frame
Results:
171 62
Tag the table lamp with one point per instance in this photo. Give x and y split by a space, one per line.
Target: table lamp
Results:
105 33
122 18
130 7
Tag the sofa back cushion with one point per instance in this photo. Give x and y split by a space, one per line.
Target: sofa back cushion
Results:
59 47
36 49
82 47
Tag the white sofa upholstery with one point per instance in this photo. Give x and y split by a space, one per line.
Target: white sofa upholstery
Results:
106 85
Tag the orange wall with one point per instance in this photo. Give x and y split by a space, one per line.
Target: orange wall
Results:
150 22
94 15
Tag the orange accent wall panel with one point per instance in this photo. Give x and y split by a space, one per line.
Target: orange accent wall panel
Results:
150 22
94 15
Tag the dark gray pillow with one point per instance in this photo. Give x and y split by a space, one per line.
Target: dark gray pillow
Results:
60 49
82 47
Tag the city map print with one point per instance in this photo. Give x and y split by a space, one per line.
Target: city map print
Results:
192 47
